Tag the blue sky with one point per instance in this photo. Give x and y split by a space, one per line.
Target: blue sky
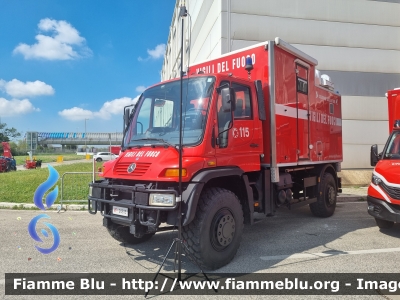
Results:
65 61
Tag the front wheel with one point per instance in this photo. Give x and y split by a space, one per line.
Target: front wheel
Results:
214 236
98 159
326 199
384 224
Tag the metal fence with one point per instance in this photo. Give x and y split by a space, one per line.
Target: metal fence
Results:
75 186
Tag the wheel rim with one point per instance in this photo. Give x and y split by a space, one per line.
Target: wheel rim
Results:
331 195
223 228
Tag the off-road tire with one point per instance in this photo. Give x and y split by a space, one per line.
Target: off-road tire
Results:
99 159
384 224
122 234
214 236
326 198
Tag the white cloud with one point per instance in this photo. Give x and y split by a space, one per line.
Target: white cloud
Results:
140 89
19 89
109 108
155 53
63 42
76 114
15 107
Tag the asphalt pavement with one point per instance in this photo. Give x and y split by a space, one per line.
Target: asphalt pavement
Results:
291 242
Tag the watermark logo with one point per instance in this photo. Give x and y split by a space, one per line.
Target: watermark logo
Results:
38 201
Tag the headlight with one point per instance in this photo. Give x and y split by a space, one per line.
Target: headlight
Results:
376 180
162 200
90 191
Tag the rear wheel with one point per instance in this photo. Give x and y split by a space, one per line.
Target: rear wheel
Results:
384 224
214 236
326 199
122 234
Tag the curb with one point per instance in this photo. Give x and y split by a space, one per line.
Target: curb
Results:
29 206
74 207
351 198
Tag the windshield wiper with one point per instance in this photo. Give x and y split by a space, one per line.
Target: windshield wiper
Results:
158 140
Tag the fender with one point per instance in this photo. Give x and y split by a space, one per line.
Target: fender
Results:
334 173
190 197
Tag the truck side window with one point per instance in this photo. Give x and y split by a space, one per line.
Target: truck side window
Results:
224 119
143 119
243 102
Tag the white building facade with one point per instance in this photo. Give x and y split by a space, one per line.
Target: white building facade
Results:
356 42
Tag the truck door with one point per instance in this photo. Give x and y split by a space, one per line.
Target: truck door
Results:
242 144
303 130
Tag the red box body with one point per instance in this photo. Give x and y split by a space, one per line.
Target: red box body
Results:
305 127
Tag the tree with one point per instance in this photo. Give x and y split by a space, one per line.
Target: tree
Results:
7 134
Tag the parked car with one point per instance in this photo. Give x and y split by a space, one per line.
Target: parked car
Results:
104 156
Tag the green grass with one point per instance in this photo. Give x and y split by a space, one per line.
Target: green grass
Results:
46 158
20 186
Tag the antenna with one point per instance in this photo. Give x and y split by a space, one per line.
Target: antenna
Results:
179 241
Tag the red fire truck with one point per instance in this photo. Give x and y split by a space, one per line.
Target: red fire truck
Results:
261 130
384 190
115 149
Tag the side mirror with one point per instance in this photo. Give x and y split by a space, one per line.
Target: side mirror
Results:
127 112
374 157
228 99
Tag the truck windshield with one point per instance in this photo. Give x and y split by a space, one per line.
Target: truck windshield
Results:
156 117
393 146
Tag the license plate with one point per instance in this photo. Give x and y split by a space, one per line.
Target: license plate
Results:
121 211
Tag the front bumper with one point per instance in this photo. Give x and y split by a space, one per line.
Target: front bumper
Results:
105 196
383 210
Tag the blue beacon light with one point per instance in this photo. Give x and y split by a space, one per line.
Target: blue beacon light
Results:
249 65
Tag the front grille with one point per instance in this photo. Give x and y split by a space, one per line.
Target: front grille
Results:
393 192
141 169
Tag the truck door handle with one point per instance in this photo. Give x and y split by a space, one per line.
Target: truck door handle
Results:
252 145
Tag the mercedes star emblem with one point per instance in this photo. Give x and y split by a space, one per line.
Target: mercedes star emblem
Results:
131 168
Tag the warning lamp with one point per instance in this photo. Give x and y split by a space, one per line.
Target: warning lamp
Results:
249 65
396 124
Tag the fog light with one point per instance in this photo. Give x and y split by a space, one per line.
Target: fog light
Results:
162 200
